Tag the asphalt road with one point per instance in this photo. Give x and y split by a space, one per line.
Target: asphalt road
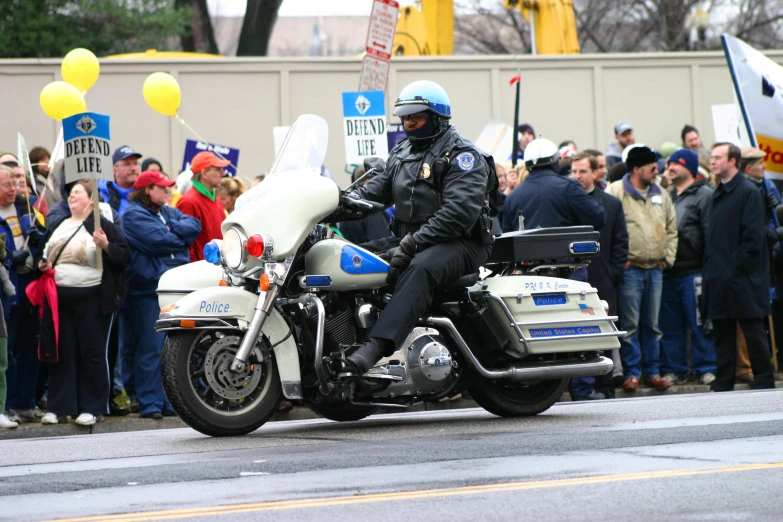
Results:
695 457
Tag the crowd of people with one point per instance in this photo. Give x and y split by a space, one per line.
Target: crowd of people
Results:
79 302
690 248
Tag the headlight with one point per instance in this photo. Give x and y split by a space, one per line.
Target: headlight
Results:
234 249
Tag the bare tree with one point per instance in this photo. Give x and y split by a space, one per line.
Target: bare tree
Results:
628 25
260 19
199 36
760 23
490 30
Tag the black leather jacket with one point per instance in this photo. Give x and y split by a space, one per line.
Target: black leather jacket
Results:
691 207
439 192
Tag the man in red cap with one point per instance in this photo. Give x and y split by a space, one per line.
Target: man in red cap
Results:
201 200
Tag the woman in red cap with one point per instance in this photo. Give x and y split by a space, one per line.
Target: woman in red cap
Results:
159 237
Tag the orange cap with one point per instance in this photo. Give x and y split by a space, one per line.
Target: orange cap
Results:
204 160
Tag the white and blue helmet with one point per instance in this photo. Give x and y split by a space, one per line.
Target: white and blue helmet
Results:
423 96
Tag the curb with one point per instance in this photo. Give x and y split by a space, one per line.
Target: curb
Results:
134 423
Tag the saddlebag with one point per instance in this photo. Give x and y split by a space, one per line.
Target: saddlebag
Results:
545 244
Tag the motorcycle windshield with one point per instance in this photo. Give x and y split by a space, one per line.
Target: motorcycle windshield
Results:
303 150
304 147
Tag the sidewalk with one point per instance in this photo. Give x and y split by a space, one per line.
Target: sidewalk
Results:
132 422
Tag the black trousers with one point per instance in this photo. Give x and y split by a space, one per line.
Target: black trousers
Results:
79 382
726 349
437 265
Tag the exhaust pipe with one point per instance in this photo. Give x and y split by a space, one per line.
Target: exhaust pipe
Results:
542 371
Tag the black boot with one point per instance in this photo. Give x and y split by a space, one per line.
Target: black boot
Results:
365 357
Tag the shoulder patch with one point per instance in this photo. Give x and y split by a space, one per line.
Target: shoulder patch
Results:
466 161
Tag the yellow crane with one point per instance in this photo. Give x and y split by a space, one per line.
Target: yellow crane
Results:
428 29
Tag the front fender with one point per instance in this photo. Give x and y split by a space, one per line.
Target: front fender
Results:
219 306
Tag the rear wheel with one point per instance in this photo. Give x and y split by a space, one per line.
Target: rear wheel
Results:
518 400
206 395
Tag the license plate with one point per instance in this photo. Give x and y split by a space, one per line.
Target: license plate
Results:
565 330
550 299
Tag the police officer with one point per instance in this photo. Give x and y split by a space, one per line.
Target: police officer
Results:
438 182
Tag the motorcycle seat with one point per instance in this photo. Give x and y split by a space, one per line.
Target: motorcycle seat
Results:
463 282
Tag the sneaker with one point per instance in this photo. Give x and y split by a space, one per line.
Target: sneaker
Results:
673 378
51 418
31 415
5 422
87 419
707 378
631 384
658 382
13 416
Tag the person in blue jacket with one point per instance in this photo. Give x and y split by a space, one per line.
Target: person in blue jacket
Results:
547 199
159 237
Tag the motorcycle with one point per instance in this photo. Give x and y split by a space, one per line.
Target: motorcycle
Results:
280 293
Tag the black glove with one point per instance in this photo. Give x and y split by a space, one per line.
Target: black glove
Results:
373 162
403 255
34 234
772 200
19 256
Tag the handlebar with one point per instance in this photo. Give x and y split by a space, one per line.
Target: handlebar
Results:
362 203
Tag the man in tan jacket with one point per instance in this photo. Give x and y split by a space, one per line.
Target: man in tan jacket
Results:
652 235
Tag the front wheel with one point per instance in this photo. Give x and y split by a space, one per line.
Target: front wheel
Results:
518 400
206 394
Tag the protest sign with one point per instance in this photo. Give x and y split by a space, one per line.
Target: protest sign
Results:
364 124
758 83
87 149
193 147
395 133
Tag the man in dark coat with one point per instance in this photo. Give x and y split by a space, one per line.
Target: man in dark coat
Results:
547 199
736 271
604 272
679 319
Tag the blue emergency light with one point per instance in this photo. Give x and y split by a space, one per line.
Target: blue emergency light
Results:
318 281
585 247
212 252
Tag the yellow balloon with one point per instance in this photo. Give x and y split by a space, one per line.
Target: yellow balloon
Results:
60 100
80 68
162 93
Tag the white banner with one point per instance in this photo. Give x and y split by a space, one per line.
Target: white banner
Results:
758 82
364 122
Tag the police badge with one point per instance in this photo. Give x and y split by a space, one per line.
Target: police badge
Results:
425 171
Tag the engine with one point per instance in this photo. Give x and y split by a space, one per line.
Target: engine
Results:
425 364
422 366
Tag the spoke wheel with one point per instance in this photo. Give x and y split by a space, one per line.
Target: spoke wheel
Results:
206 394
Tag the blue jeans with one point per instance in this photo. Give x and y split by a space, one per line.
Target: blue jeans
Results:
24 328
640 302
678 316
143 311
127 356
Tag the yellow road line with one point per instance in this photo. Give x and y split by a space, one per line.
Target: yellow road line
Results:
412 495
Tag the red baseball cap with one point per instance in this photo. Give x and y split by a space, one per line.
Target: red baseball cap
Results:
152 177
204 160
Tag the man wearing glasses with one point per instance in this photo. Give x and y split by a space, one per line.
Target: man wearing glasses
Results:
126 170
652 233
201 200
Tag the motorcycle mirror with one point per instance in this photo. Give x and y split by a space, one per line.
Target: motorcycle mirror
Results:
360 178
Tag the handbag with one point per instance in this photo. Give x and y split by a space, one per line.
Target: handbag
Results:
48 349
